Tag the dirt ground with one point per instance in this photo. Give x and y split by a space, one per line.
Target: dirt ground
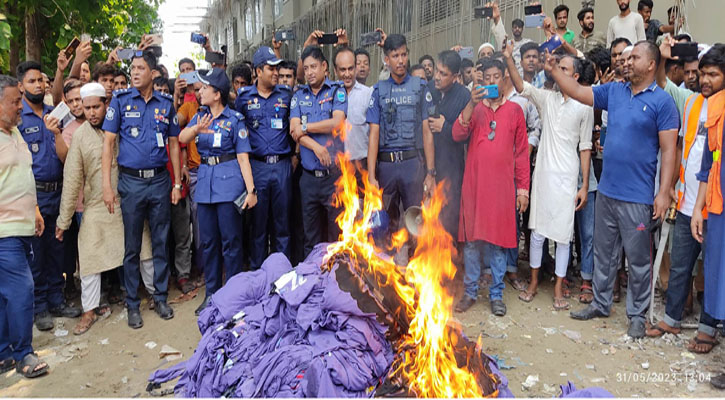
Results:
532 342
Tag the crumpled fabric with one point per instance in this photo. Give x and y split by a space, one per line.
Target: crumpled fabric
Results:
286 332
570 391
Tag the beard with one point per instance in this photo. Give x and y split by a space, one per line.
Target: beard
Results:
35 98
623 7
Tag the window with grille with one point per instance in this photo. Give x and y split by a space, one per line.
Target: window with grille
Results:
403 15
435 10
248 21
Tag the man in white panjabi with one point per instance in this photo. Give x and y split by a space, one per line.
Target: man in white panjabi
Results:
567 127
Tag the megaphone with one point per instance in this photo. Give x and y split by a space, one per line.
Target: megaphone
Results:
413 219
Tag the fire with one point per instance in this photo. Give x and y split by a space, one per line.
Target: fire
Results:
429 364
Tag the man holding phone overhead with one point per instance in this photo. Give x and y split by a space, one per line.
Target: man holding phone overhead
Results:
495 180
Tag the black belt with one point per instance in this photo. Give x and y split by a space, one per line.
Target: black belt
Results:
214 160
48 186
318 173
397 156
142 173
271 159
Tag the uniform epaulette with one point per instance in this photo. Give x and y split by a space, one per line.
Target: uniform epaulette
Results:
240 91
119 92
168 96
239 115
285 87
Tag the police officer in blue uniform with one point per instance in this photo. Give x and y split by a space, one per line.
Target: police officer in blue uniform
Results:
400 149
142 120
265 106
42 134
223 143
317 109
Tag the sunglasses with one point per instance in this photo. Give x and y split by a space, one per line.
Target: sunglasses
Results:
492 134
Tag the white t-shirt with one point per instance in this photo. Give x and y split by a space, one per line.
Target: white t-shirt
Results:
630 27
692 167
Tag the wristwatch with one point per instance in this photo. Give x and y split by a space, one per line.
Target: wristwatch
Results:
178 186
432 172
304 124
254 191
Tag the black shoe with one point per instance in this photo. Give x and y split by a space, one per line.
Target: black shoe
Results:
718 381
163 310
465 303
202 306
498 308
43 321
66 311
587 313
636 328
134 318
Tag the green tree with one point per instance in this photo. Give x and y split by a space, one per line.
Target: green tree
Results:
41 28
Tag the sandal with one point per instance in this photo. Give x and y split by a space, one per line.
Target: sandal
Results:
7 365
692 346
566 292
655 331
87 320
586 295
486 281
526 296
517 283
31 366
560 304
103 311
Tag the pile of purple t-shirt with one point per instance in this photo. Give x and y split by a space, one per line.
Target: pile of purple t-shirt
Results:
286 332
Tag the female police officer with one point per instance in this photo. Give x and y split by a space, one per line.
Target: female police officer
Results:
223 144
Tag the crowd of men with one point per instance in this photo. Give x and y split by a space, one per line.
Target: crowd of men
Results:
248 155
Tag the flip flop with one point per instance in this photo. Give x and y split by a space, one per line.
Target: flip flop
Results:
28 367
586 289
660 331
7 365
560 304
517 283
527 297
711 343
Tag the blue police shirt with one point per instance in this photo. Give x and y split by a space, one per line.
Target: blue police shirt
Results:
267 119
222 182
399 110
144 127
41 142
331 97
630 154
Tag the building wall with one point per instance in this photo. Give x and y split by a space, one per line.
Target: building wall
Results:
429 25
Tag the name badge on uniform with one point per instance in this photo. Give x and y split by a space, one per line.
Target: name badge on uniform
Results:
160 139
134 131
32 129
276 123
133 114
255 106
34 147
217 140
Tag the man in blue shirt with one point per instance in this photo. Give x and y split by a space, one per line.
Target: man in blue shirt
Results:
643 120
43 136
144 119
318 109
400 137
265 107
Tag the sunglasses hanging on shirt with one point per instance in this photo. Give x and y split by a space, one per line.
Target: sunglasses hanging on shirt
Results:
492 134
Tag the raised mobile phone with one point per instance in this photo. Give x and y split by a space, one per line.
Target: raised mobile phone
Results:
531 10
534 21
466 52
369 38
198 38
685 50
327 38
551 44
125 54
214 57
72 46
190 77
156 39
491 91
283 36
483 12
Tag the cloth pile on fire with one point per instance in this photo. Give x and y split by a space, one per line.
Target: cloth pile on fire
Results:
288 332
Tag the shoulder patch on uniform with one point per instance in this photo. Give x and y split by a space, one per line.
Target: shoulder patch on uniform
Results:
372 102
293 104
428 97
243 133
341 96
238 115
110 113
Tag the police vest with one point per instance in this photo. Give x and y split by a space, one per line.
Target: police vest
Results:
400 119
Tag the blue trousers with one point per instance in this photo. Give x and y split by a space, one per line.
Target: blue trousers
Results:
220 229
143 199
318 213
403 180
683 255
494 257
271 215
16 298
47 267
585 227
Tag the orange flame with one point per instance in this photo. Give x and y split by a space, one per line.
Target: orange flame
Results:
430 369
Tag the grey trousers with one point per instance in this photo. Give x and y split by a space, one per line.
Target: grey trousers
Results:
617 224
181 229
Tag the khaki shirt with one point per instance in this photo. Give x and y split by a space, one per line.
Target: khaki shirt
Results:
596 39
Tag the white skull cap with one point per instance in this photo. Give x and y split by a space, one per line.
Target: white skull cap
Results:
92 89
